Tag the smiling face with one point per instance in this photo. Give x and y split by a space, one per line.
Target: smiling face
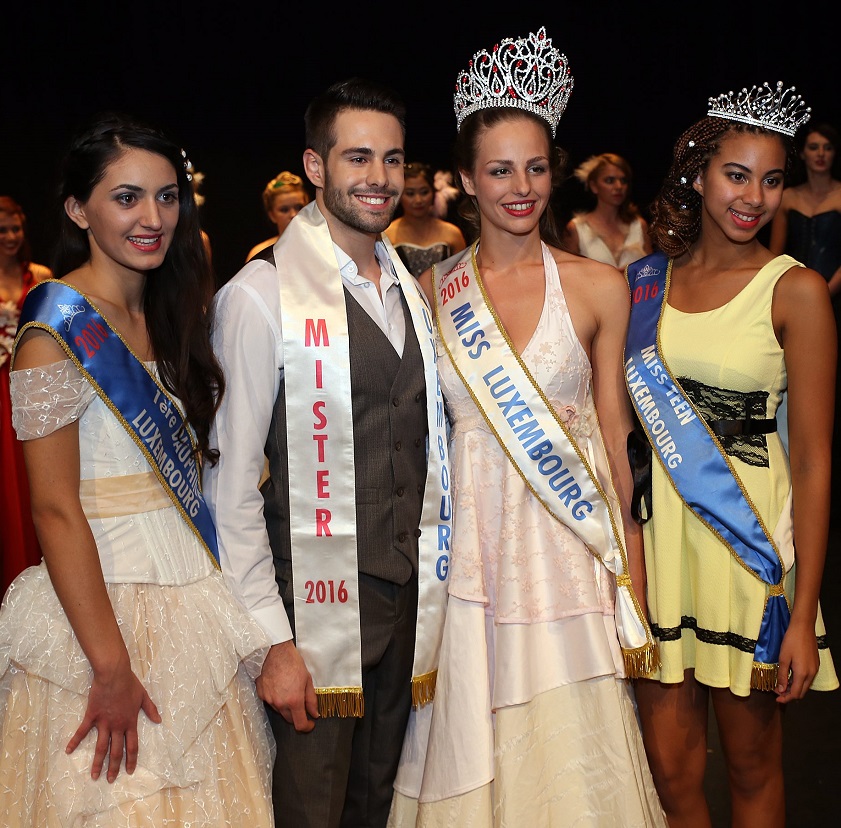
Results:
361 179
511 177
11 234
131 214
742 185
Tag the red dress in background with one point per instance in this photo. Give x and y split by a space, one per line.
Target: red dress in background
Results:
18 543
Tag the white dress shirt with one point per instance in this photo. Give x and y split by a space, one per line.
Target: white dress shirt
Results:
248 342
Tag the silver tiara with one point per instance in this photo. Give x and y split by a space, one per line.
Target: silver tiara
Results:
778 109
527 73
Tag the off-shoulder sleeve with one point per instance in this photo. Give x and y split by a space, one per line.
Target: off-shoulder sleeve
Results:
47 398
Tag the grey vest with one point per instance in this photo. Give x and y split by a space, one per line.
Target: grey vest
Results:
389 435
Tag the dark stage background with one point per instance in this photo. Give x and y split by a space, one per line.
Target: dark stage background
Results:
231 82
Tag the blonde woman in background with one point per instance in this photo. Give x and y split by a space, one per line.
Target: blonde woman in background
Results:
612 231
283 198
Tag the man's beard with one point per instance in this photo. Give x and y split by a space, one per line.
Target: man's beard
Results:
347 209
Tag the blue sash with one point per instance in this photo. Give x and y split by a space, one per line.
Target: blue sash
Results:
134 396
694 460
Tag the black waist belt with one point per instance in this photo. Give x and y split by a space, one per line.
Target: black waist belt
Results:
742 428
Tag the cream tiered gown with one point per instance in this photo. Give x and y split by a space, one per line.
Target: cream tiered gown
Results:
194 649
533 722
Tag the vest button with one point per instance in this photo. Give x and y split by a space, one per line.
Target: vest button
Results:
395 402
402 537
398 445
418 442
399 492
417 533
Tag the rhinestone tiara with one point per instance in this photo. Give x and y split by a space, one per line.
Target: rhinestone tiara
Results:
527 73
781 110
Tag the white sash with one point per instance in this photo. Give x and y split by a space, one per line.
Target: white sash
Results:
322 501
533 436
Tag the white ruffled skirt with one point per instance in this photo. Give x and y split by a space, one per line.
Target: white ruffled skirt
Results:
208 763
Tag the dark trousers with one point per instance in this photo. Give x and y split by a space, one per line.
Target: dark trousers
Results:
340 775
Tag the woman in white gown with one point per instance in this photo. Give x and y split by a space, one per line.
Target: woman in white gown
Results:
125 694
533 722
612 230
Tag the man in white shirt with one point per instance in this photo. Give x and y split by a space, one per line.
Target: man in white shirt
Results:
326 345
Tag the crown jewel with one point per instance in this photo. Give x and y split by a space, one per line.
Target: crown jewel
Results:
527 73
778 109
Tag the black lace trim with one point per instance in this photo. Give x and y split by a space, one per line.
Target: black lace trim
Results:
725 639
725 404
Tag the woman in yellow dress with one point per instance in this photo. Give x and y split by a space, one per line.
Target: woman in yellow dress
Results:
720 328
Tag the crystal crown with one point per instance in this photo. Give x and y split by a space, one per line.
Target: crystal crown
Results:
527 73
781 110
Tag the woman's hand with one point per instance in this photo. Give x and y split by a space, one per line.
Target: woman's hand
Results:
114 704
799 662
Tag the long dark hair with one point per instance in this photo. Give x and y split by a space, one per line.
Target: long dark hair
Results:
676 210
177 299
466 149
798 174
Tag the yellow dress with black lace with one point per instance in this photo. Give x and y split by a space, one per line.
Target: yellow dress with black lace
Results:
705 605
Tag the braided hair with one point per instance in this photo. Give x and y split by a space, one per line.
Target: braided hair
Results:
676 210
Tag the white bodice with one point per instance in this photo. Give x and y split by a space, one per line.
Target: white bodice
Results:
148 542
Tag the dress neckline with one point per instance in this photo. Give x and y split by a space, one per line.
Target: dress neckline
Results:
754 280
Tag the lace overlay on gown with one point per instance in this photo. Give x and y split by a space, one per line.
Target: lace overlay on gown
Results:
532 723
510 554
191 644
418 259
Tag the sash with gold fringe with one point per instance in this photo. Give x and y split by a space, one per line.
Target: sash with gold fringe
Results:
534 437
695 462
322 497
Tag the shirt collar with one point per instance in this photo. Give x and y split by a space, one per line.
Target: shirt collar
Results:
350 272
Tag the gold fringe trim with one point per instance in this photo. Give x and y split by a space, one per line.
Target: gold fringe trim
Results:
642 661
423 688
763 676
344 702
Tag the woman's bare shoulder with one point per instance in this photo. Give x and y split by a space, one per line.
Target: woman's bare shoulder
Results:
40 272
584 265
597 283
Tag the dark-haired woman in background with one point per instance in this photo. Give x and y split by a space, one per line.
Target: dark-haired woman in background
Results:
18 273
808 227
808 224
124 694
418 235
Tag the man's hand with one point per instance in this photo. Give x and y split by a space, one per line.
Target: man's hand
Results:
286 685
